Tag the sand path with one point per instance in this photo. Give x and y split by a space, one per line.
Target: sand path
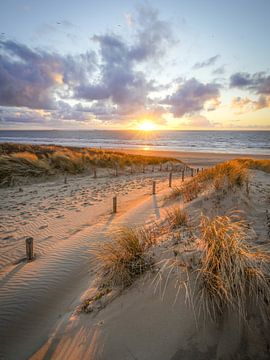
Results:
36 297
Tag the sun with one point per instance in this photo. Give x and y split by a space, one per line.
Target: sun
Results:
147 125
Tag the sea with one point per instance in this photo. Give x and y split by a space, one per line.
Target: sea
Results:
234 142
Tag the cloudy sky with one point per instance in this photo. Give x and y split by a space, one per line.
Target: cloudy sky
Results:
174 64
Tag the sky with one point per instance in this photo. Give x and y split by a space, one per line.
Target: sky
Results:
175 64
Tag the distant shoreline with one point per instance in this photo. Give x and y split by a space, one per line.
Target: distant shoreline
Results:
194 157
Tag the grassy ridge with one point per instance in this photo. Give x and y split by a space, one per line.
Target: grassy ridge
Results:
223 176
20 160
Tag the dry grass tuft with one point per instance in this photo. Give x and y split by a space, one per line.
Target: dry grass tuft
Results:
124 258
232 274
176 218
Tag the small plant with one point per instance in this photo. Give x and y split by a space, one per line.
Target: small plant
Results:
124 258
176 217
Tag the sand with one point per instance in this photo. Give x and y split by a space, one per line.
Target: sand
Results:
196 159
38 299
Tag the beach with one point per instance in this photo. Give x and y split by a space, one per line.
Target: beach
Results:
66 216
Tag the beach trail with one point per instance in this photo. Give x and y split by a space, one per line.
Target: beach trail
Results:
36 297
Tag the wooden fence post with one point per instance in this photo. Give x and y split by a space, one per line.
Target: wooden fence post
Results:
29 248
114 204
192 172
154 188
95 173
183 174
170 179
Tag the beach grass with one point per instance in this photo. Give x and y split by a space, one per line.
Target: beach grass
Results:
232 274
123 258
23 160
227 175
176 217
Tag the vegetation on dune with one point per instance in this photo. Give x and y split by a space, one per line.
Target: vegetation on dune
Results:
263 165
229 175
121 260
232 274
19 160
176 217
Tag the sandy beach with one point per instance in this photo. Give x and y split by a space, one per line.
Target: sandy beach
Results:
196 158
39 299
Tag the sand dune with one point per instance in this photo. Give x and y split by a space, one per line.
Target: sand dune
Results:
38 300
34 294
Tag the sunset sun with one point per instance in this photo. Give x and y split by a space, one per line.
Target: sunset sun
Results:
147 125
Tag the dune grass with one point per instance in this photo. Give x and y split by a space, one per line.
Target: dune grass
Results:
19 160
227 175
176 217
263 165
232 274
121 260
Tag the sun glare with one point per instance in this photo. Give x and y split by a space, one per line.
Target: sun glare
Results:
147 125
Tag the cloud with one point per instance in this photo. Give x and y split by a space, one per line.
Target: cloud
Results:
219 71
120 82
191 97
258 83
199 121
32 78
245 104
208 62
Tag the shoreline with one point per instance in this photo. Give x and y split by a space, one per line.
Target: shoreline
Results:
193 158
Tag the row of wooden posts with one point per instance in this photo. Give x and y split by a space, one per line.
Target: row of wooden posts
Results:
29 242
193 171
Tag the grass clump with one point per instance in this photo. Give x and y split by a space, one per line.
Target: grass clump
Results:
124 258
176 217
232 274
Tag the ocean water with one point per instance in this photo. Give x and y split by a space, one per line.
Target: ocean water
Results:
238 142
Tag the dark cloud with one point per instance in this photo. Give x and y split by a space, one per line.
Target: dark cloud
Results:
208 62
258 82
191 96
120 81
30 77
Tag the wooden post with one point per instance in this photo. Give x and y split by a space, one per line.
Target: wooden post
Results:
65 181
114 204
143 169
29 248
95 173
160 167
153 168
192 172
170 179
183 174
198 170
116 171
154 188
